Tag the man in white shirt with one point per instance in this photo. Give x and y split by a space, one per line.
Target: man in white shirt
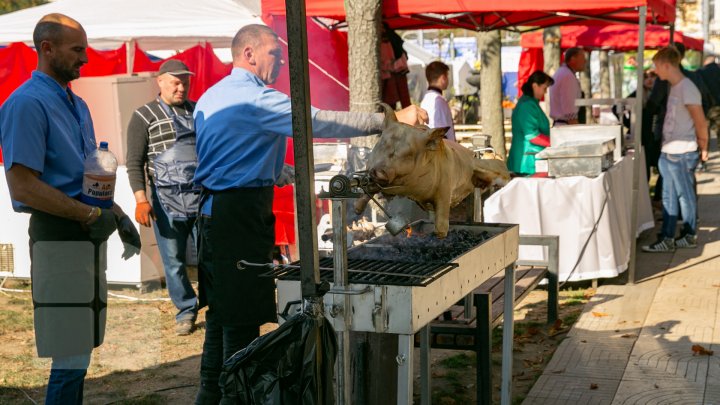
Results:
685 130
434 102
567 88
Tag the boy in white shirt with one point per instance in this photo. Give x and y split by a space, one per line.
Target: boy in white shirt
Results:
685 131
434 103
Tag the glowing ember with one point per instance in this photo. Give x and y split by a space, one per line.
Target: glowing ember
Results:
409 232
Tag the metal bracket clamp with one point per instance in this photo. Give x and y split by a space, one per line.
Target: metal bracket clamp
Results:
379 314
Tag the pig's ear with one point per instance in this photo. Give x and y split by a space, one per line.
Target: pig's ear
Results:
389 114
435 137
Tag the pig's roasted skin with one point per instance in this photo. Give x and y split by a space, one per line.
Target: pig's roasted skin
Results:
418 163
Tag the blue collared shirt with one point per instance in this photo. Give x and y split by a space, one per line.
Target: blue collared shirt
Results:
241 127
41 129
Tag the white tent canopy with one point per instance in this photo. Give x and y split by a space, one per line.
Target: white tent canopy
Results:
153 24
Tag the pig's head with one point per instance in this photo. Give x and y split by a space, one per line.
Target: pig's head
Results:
401 149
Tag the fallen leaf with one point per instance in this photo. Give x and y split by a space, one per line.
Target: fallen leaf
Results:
532 331
699 350
599 314
657 386
562 370
583 341
716 285
628 335
589 293
593 386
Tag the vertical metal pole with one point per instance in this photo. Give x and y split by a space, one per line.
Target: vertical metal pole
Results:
508 331
553 244
304 174
406 345
483 347
672 34
343 385
302 130
637 132
425 381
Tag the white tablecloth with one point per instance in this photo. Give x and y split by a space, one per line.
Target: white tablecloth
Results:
570 207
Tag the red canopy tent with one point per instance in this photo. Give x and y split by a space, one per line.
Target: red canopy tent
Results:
487 15
618 37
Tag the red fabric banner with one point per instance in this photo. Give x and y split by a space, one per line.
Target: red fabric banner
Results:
17 62
531 59
105 63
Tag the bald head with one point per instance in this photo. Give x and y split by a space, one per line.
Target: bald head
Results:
256 48
53 28
61 45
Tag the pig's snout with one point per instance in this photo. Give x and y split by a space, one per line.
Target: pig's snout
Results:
380 176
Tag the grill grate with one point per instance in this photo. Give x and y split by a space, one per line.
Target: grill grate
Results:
365 271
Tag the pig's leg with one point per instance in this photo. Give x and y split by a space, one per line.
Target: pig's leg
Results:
442 214
360 204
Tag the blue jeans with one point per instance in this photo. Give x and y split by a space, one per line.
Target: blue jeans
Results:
67 378
172 235
678 192
221 341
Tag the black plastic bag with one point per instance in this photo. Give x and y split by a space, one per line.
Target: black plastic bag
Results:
283 367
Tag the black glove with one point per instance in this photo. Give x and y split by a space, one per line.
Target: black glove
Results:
103 227
129 236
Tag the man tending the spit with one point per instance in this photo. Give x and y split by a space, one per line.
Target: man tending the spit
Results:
242 127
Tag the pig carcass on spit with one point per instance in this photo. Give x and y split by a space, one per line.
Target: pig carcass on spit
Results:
418 163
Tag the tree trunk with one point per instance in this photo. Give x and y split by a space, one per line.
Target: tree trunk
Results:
491 94
586 87
551 49
373 367
363 19
551 57
604 74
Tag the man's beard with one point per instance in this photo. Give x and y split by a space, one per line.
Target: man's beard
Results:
63 72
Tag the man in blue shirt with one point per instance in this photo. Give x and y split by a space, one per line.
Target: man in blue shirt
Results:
46 133
242 127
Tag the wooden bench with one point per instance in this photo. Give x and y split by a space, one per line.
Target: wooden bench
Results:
469 326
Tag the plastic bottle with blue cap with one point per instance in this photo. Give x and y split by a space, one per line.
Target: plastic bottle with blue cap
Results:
99 178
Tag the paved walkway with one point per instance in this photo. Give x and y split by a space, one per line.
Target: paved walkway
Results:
633 344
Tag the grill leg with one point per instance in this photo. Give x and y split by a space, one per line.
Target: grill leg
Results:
405 375
483 347
508 330
425 365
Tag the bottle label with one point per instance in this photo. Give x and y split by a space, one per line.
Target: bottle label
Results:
98 190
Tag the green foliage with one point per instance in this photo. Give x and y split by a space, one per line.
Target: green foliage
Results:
7 6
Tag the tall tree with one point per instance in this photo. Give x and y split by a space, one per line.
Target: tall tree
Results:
586 87
363 19
8 6
373 354
551 49
491 93
551 56
604 74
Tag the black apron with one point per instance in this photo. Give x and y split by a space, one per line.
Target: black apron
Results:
242 228
69 286
174 187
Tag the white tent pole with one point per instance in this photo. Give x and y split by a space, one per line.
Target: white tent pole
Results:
130 52
637 132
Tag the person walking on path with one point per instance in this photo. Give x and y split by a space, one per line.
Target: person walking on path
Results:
685 131
242 129
161 136
47 133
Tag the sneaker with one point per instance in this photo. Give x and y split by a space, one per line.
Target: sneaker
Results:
686 242
184 328
662 245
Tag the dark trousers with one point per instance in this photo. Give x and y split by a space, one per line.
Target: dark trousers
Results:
222 339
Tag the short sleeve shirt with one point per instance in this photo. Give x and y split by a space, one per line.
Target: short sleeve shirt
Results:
438 112
679 128
49 130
